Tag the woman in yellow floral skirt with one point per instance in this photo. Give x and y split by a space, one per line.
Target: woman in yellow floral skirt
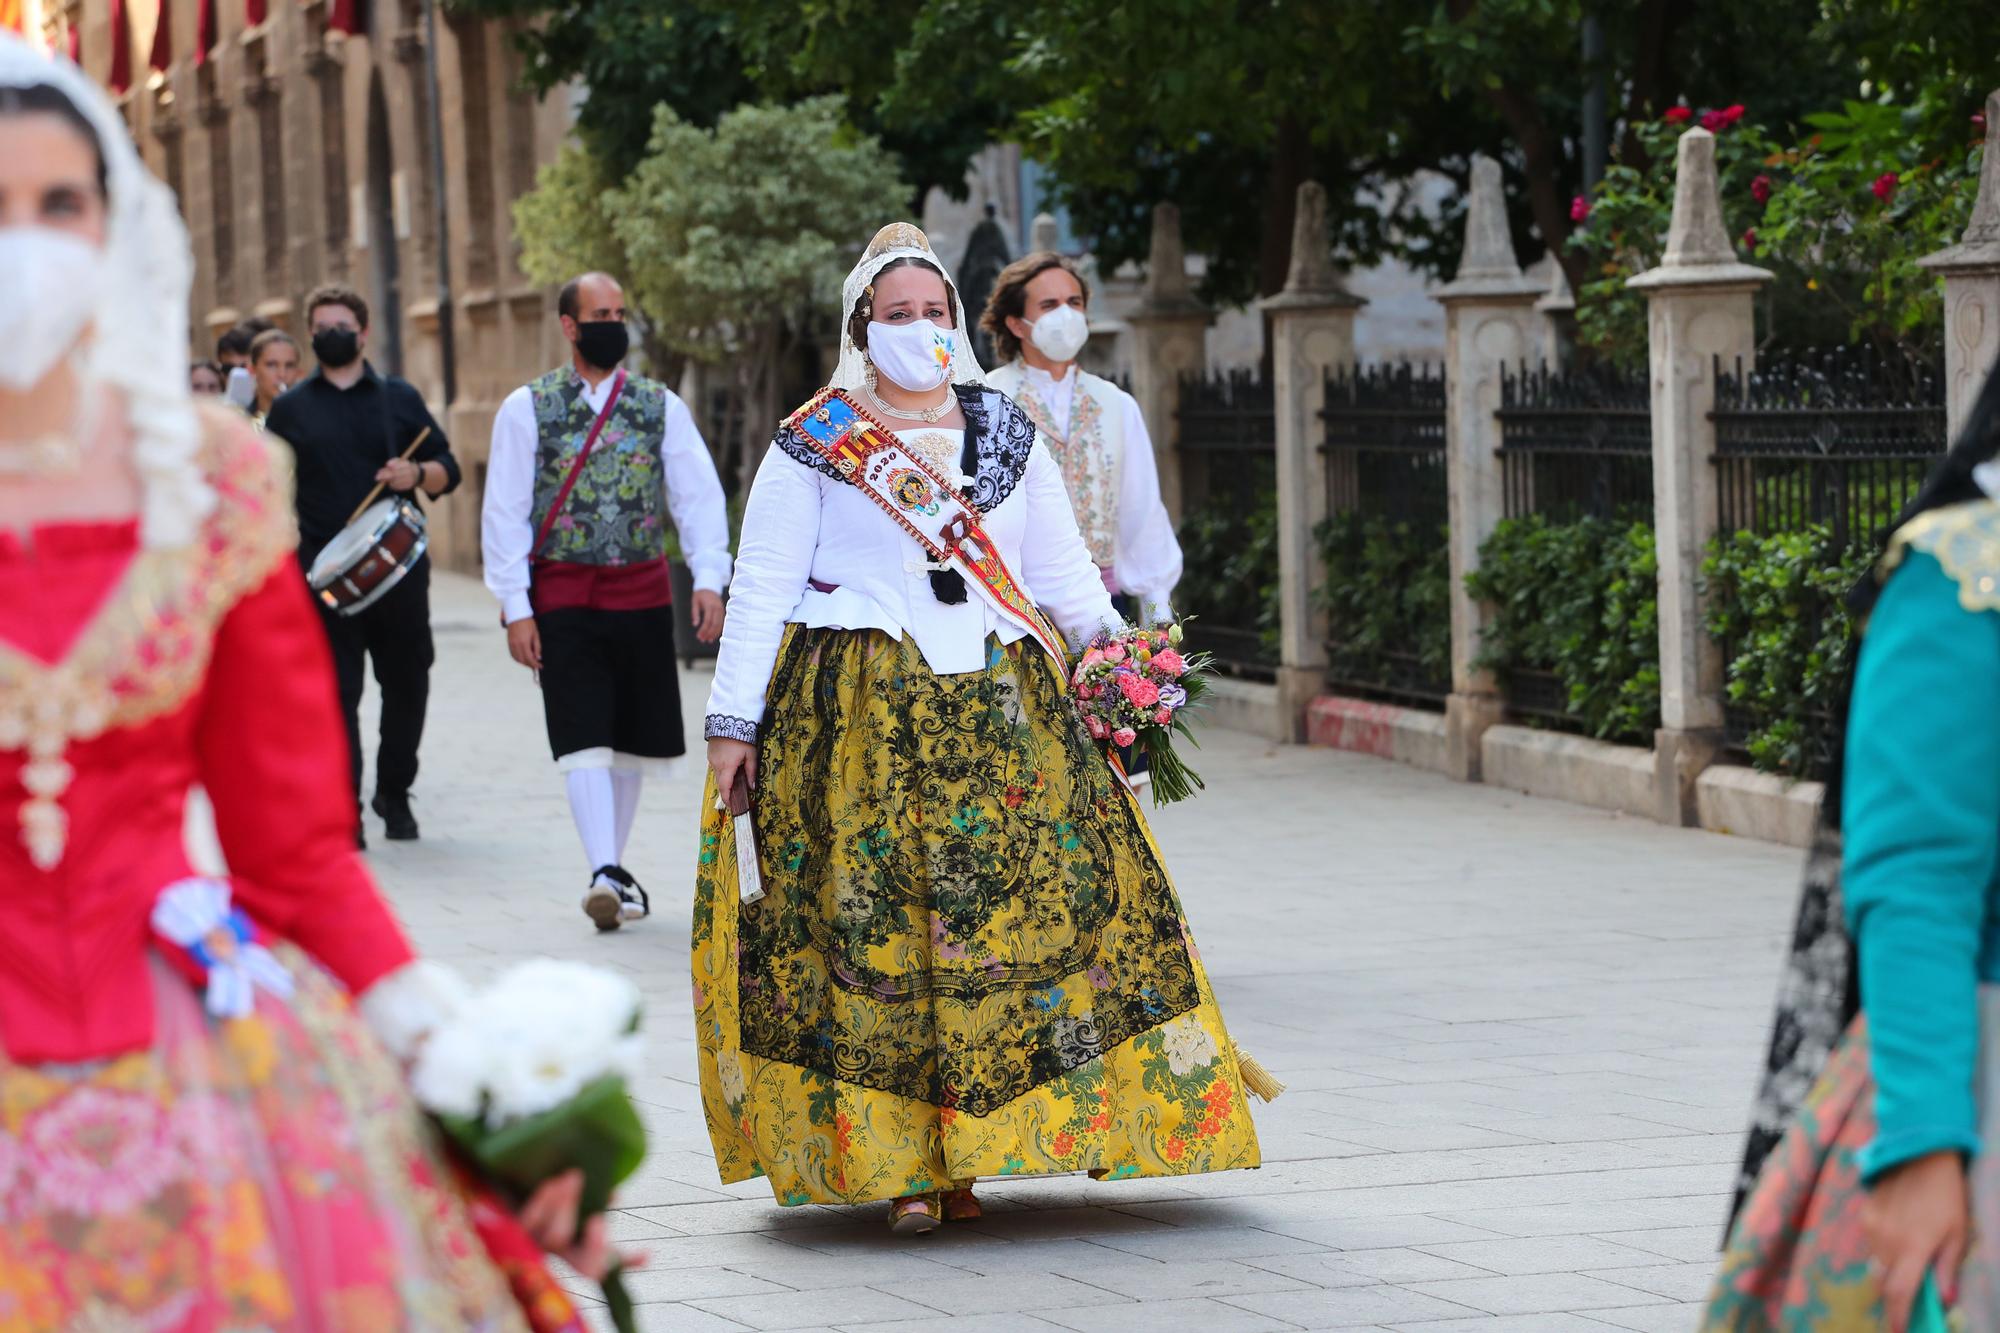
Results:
968 959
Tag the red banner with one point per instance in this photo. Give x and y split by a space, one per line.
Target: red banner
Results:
163 38
254 11
204 30
349 16
121 49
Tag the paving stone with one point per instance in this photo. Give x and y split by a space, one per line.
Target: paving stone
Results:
1017 1322
1538 1323
1686 1244
1678 1282
1361 1268
1008 1293
1542 1254
1535 1293
1208 1243
1151 1280
1348 1307
1183 1316
1653 1318
805 1309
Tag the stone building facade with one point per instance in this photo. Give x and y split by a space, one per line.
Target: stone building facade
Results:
302 154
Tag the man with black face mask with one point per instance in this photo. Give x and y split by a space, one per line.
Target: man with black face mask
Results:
348 426
588 464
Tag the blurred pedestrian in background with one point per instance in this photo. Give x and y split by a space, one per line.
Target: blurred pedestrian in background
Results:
588 463
274 363
348 427
1037 317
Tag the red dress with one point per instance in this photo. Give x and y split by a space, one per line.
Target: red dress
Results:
160 1168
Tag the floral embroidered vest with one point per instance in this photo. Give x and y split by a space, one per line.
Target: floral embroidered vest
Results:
617 511
1089 448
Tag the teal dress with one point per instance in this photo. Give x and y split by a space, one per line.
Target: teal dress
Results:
1922 820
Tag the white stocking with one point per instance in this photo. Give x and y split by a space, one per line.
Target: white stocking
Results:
626 782
593 803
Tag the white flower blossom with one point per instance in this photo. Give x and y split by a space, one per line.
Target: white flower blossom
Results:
1188 1046
729 1073
530 1042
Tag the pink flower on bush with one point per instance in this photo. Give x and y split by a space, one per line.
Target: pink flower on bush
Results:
1760 189
1124 736
1717 121
1750 240
1170 662
1579 209
1141 692
1885 186
1678 115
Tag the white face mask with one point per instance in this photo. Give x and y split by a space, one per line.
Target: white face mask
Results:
916 356
1060 334
48 294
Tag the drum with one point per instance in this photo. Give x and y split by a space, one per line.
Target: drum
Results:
370 555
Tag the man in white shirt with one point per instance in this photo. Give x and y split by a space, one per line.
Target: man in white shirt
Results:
1036 319
587 465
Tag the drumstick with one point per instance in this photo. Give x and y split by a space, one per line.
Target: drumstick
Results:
376 494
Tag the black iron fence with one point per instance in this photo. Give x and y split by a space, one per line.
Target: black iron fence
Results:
1385 538
1576 446
1839 439
1576 443
1816 454
1229 526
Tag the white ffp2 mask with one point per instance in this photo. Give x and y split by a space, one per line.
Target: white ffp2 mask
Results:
915 356
1060 334
48 296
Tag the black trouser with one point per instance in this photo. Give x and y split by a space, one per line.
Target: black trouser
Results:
395 635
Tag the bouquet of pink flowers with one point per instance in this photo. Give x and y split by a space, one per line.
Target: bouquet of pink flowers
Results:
1134 687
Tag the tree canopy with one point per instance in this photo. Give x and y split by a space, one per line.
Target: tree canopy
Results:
1224 106
728 238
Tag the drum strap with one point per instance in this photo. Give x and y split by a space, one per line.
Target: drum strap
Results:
576 468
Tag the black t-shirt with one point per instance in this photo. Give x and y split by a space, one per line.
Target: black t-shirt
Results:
342 437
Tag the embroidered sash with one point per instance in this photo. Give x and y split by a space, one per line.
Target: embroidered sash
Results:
909 489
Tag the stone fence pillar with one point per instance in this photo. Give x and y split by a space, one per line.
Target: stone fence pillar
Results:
1489 321
1558 311
1700 307
1971 273
1312 330
1167 342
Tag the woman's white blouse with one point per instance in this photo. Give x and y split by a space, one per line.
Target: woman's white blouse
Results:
803 528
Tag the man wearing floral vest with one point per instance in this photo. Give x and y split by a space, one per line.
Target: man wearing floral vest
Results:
588 465
1036 320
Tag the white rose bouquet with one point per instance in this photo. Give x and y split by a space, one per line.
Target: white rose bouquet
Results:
529 1078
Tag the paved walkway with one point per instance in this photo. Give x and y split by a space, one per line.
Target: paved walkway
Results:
1519 1037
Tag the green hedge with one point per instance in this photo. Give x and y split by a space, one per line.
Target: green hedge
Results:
1780 603
1388 590
1580 600
1229 573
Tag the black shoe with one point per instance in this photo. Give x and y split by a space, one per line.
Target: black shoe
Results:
360 836
614 898
398 824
